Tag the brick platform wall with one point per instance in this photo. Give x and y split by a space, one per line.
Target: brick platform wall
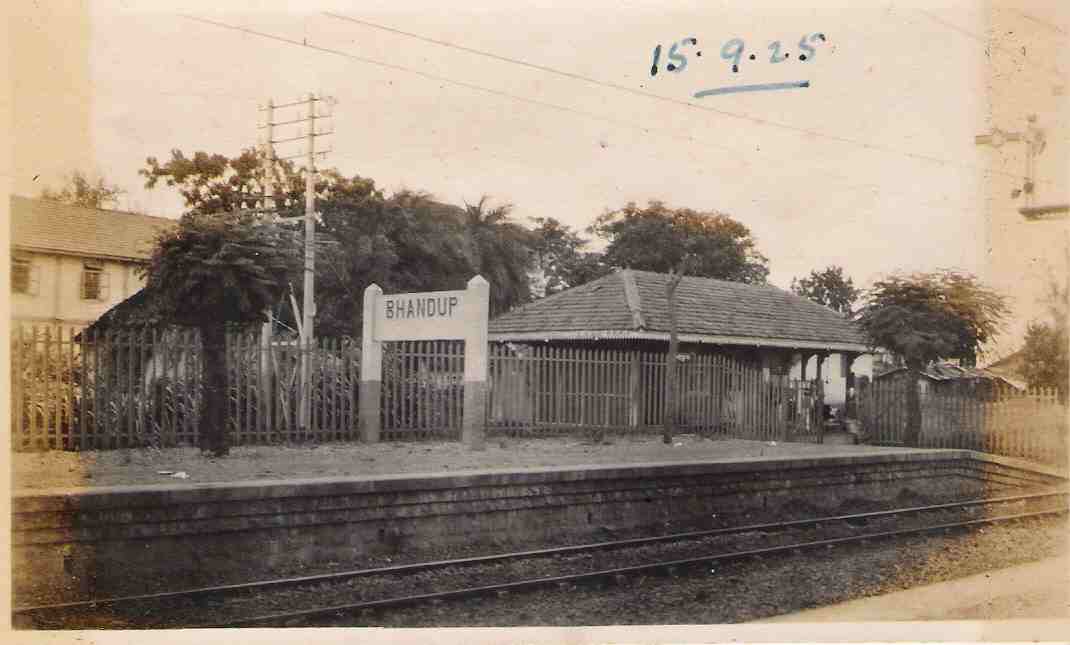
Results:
111 541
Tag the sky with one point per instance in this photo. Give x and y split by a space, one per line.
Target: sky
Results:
873 166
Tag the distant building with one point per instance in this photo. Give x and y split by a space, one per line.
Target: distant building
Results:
788 336
948 378
70 264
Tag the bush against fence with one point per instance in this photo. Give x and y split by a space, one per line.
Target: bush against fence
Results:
143 387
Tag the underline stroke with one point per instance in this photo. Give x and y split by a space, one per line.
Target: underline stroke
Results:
761 87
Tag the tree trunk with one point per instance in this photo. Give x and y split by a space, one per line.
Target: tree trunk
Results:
913 429
213 422
669 419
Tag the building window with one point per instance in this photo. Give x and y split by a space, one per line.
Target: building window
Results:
22 276
94 282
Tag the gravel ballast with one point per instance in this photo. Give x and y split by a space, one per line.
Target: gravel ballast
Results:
309 596
752 590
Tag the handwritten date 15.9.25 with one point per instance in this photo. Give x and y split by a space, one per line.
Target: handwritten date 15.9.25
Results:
735 51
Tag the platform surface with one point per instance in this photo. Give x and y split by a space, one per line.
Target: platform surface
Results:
1035 591
140 467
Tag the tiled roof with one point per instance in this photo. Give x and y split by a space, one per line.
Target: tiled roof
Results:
950 372
41 225
709 310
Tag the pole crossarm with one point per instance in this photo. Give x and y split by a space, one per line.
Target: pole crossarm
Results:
305 314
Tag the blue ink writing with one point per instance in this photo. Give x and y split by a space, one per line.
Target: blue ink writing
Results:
776 57
732 51
677 60
762 87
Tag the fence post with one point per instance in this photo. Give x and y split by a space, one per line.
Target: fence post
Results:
371 370
474 416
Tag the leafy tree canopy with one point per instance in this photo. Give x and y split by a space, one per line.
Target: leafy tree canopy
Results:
1045 360
926 317
659 238
210 271
403 242
218 269
214 183
829 288
81 191
1045 357
499 249
560 257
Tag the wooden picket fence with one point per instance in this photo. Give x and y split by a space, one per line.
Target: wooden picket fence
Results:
540 389
144 388
1030 424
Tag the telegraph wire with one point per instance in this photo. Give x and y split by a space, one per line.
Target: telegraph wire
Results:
658 97
589 115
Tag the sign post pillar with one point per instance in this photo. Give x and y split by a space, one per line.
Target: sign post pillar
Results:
371 368
477 310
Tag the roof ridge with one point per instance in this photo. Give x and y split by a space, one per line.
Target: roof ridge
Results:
631 296
110 211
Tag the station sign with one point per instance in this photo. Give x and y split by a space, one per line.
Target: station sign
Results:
430 315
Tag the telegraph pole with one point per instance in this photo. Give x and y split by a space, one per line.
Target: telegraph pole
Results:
306 316
309 304
267 330
1034 145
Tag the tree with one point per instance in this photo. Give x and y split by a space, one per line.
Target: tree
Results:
1045 355
405 242
214 183
560 258
926 317
81 191
499 250
658 238
829 288
211 272
679 241
668 421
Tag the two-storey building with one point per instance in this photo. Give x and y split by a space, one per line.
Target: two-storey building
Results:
71 264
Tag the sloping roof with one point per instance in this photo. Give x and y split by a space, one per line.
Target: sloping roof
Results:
634 304
946 372
138 310
40 225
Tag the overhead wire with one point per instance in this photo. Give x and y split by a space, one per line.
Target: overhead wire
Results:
658 97
540 103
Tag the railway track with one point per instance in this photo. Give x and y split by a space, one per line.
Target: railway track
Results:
241 604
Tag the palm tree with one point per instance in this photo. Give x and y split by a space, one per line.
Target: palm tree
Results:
210 272
499 250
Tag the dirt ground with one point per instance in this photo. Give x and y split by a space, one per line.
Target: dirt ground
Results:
59 470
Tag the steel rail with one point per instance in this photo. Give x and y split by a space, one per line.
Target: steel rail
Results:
669 565
402 569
